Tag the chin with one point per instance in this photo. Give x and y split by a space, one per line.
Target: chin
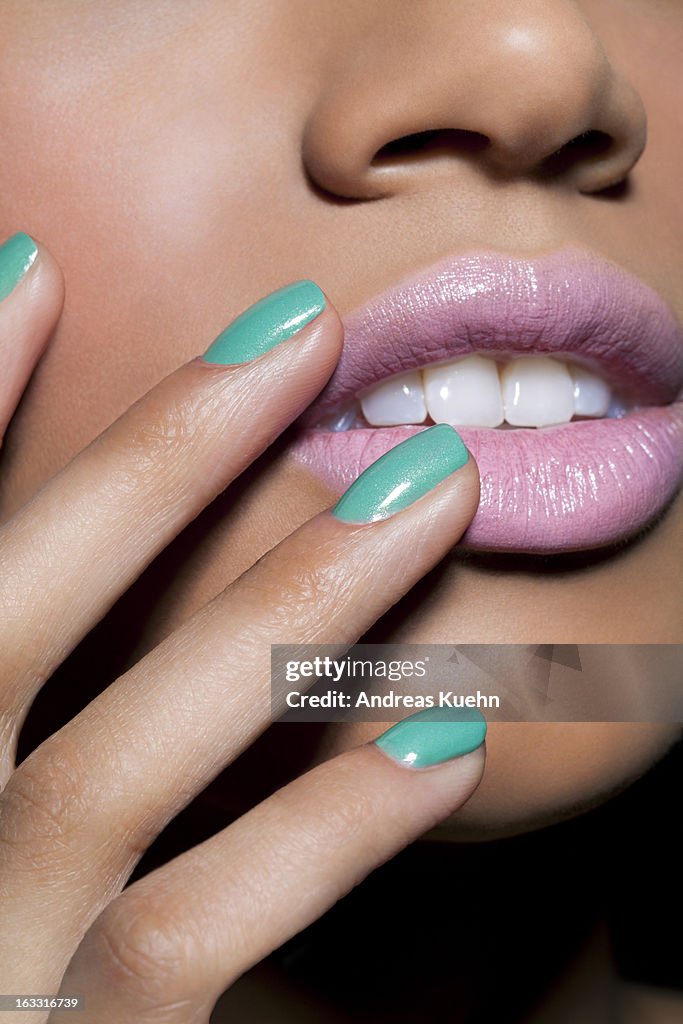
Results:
539 773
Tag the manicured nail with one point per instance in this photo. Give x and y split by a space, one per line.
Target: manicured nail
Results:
267 323
17 254
402 475
433 736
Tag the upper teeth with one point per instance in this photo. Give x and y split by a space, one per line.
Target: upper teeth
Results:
534 391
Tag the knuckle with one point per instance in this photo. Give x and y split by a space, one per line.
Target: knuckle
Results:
159 432
43 808
307 585
138 944
316 584
157 439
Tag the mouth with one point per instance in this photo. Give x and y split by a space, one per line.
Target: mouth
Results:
563 375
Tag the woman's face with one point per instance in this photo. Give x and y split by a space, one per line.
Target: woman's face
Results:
181 160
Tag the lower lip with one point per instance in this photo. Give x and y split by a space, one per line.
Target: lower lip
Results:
567 488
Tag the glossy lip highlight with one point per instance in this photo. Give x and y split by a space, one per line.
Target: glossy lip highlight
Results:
577 486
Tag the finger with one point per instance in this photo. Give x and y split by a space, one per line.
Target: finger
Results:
83 539
31 297
166 949
104 785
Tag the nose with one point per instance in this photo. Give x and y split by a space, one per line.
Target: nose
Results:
521 87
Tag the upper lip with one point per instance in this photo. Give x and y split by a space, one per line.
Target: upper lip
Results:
570 302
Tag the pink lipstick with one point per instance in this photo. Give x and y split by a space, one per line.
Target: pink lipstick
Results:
582 484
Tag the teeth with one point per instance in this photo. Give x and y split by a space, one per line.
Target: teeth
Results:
344 421
399 399
537 392
591 395
477 391
464 393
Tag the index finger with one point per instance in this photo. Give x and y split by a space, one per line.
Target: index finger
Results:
87 535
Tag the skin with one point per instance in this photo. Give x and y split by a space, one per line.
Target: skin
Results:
180 239
158 156
70 832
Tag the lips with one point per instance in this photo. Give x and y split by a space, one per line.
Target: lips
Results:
557 488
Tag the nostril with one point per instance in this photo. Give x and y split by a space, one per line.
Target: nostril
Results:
428 144
585 148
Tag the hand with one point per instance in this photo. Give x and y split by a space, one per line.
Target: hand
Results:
78 812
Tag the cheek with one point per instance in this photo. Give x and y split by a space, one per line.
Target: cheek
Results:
540 773
149 197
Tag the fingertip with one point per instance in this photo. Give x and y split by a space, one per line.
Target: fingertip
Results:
48 277
27 263
470 481
429 793
328 327
31 301
31 291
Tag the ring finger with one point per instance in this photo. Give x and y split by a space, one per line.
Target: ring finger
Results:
167 948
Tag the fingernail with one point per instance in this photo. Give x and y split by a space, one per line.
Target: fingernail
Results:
402 475
433 736
267 323
17 254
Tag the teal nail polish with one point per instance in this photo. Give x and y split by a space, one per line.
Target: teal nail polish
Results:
433 736
17 254
268 322
402 475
